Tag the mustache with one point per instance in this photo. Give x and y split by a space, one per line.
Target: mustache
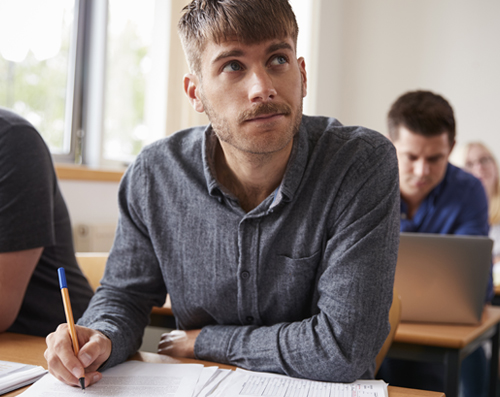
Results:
265 109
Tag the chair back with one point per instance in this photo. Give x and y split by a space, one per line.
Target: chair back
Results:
394 319
92 265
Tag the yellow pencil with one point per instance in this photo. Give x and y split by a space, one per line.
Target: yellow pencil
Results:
69 315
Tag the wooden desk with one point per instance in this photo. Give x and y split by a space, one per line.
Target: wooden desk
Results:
448 344
29 349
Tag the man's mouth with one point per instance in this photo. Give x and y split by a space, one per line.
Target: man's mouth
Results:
264 117
265 112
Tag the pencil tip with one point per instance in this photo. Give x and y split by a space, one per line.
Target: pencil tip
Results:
82 383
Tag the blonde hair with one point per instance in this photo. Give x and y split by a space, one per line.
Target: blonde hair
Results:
494 200
248 21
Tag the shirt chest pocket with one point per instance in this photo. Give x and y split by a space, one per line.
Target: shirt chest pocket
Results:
289 285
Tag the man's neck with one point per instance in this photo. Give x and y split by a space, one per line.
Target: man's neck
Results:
250 177
412 204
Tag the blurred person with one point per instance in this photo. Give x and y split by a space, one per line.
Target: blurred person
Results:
436 197
481 163
35 235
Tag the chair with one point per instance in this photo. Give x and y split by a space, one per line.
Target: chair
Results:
394 319
92 265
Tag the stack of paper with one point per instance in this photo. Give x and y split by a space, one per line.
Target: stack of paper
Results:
241 383
135 378
16 375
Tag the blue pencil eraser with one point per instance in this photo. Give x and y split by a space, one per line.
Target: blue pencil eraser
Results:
62 278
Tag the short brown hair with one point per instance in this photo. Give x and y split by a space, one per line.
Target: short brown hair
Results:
423 113
249 21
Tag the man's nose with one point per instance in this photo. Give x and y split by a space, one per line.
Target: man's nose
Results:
261 86
421 168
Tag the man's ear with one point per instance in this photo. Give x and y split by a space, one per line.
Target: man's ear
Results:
191 87
302 67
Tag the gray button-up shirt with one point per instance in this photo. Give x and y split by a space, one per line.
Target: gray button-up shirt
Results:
300 285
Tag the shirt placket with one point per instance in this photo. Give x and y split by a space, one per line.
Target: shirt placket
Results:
248 248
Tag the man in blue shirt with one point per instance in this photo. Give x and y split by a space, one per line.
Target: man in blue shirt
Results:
436 197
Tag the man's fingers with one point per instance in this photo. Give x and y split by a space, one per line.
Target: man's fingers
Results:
92 377
95 352
60 357
65 366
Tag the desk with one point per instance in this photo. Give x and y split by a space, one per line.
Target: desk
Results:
448 344
29 349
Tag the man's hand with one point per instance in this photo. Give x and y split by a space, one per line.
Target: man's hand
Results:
95 348
178 343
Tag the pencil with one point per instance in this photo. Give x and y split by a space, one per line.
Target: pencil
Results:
69 316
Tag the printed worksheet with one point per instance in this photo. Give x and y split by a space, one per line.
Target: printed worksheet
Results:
130 379
243 383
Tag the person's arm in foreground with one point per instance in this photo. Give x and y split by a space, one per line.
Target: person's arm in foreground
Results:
355 287
16 269
25 213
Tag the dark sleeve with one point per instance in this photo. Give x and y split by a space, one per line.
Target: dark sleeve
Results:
355 290
473 219
27 189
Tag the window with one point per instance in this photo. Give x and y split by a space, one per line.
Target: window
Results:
131 85
90 75
35 41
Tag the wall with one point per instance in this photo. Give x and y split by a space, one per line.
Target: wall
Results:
373 51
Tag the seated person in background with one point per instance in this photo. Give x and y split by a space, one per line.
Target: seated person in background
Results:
481 163
35 235
275 234
436 197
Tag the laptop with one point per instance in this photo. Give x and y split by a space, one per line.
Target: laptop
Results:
442 278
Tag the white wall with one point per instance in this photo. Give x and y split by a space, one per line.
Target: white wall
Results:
370 52
91 202
363 55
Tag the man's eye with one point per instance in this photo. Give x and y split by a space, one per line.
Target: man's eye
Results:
279 60
232 67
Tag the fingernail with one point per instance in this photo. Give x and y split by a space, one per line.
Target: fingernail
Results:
85 359
77 372
96 378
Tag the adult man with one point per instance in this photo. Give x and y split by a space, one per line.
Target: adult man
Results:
35 235
436 197
275 234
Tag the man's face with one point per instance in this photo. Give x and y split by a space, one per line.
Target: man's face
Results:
252 94
422 163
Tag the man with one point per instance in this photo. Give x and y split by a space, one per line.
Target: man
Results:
275 234
35 235
436 197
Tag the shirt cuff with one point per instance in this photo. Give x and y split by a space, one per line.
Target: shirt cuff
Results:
212 343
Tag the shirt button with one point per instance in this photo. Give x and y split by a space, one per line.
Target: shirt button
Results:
249 319
245 275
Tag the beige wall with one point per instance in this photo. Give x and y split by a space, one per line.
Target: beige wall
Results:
370 52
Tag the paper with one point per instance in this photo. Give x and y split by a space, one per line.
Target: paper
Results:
16 375
243 383
137 379
206 388
130 379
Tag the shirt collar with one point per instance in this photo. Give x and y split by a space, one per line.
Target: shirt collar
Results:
291 179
